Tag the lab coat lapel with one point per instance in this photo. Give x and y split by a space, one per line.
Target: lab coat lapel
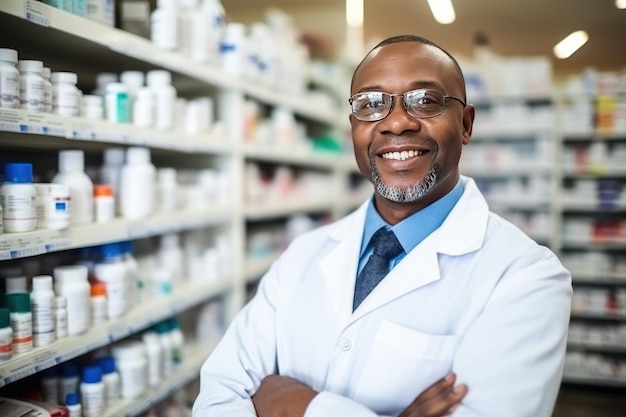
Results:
462 232
340 264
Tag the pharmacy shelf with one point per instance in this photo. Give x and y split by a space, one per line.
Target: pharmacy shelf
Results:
538 170
597 347
20 245
592 207
273 210
186 372
589 380
255 267
599 316
593 136
76 128
576 244
600 279
139 318
102 40
596 173
505 137
294 155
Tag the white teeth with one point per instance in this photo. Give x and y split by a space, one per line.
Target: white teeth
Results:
401 156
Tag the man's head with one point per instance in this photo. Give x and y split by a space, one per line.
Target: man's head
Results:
409 145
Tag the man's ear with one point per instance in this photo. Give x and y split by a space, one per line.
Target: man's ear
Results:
469 113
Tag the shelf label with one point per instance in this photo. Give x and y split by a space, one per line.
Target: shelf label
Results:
37 12
9 120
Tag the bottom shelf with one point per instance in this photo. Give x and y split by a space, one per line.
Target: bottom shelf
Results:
185 373
593 381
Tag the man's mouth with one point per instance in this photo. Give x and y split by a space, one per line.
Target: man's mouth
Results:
403 155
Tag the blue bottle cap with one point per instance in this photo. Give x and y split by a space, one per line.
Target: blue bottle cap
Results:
18 173
107 364
71 398
92 374
110 250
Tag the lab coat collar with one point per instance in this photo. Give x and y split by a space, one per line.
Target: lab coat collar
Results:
462 232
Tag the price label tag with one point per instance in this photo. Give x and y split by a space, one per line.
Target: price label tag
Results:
37 12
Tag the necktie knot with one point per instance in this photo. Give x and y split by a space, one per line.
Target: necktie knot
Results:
386 244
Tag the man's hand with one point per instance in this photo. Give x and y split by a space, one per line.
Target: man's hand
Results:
281 396
438 400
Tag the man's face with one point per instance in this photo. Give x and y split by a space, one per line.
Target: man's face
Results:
411 160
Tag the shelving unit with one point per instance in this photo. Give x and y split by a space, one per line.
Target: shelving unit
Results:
70 43
593 242
512 158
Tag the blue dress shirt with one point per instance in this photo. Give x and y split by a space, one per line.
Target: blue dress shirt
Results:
410 231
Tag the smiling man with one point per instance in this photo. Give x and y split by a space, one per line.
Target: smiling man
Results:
421 303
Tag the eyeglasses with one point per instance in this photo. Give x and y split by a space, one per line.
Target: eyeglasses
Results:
371 106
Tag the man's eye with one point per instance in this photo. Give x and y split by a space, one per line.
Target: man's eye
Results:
373 104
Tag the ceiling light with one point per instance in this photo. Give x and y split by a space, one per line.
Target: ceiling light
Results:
620 4
442 11
354 13
570 44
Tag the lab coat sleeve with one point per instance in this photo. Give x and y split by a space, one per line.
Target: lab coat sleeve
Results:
512 355
245 355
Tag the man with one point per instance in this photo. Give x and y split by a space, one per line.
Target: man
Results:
468 296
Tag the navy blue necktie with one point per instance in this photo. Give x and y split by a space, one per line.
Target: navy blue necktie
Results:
386 247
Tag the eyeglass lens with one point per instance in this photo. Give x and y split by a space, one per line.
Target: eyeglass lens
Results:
374 105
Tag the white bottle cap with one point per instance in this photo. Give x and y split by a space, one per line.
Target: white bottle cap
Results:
114 156
8 55
104 78
71 160
116 88
64 77
137 155
70 273
42 283
128 350
132 79
166 174
157 78
15 285
30 65
46 72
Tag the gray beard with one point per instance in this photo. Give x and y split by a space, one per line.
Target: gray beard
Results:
403 195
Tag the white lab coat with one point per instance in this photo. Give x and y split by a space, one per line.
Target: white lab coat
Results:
476 297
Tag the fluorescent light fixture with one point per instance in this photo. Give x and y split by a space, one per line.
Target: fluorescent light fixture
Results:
442 11
620 4
570 44
354 13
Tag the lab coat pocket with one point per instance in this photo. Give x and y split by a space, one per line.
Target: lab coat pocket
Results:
401 364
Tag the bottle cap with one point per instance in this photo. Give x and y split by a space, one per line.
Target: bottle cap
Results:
64 77
42 283
132 79
46 73
114 156
110 250
102 190
70 273
18 173
92 374
158 78
92 100
8 55
30 65
71 399
15 285
71 160
98 289
137 155
107 363
18 302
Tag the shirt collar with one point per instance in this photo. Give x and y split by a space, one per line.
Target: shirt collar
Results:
415 228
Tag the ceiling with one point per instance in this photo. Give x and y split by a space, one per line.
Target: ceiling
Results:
512 28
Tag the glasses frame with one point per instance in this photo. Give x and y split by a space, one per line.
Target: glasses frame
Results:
403 95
